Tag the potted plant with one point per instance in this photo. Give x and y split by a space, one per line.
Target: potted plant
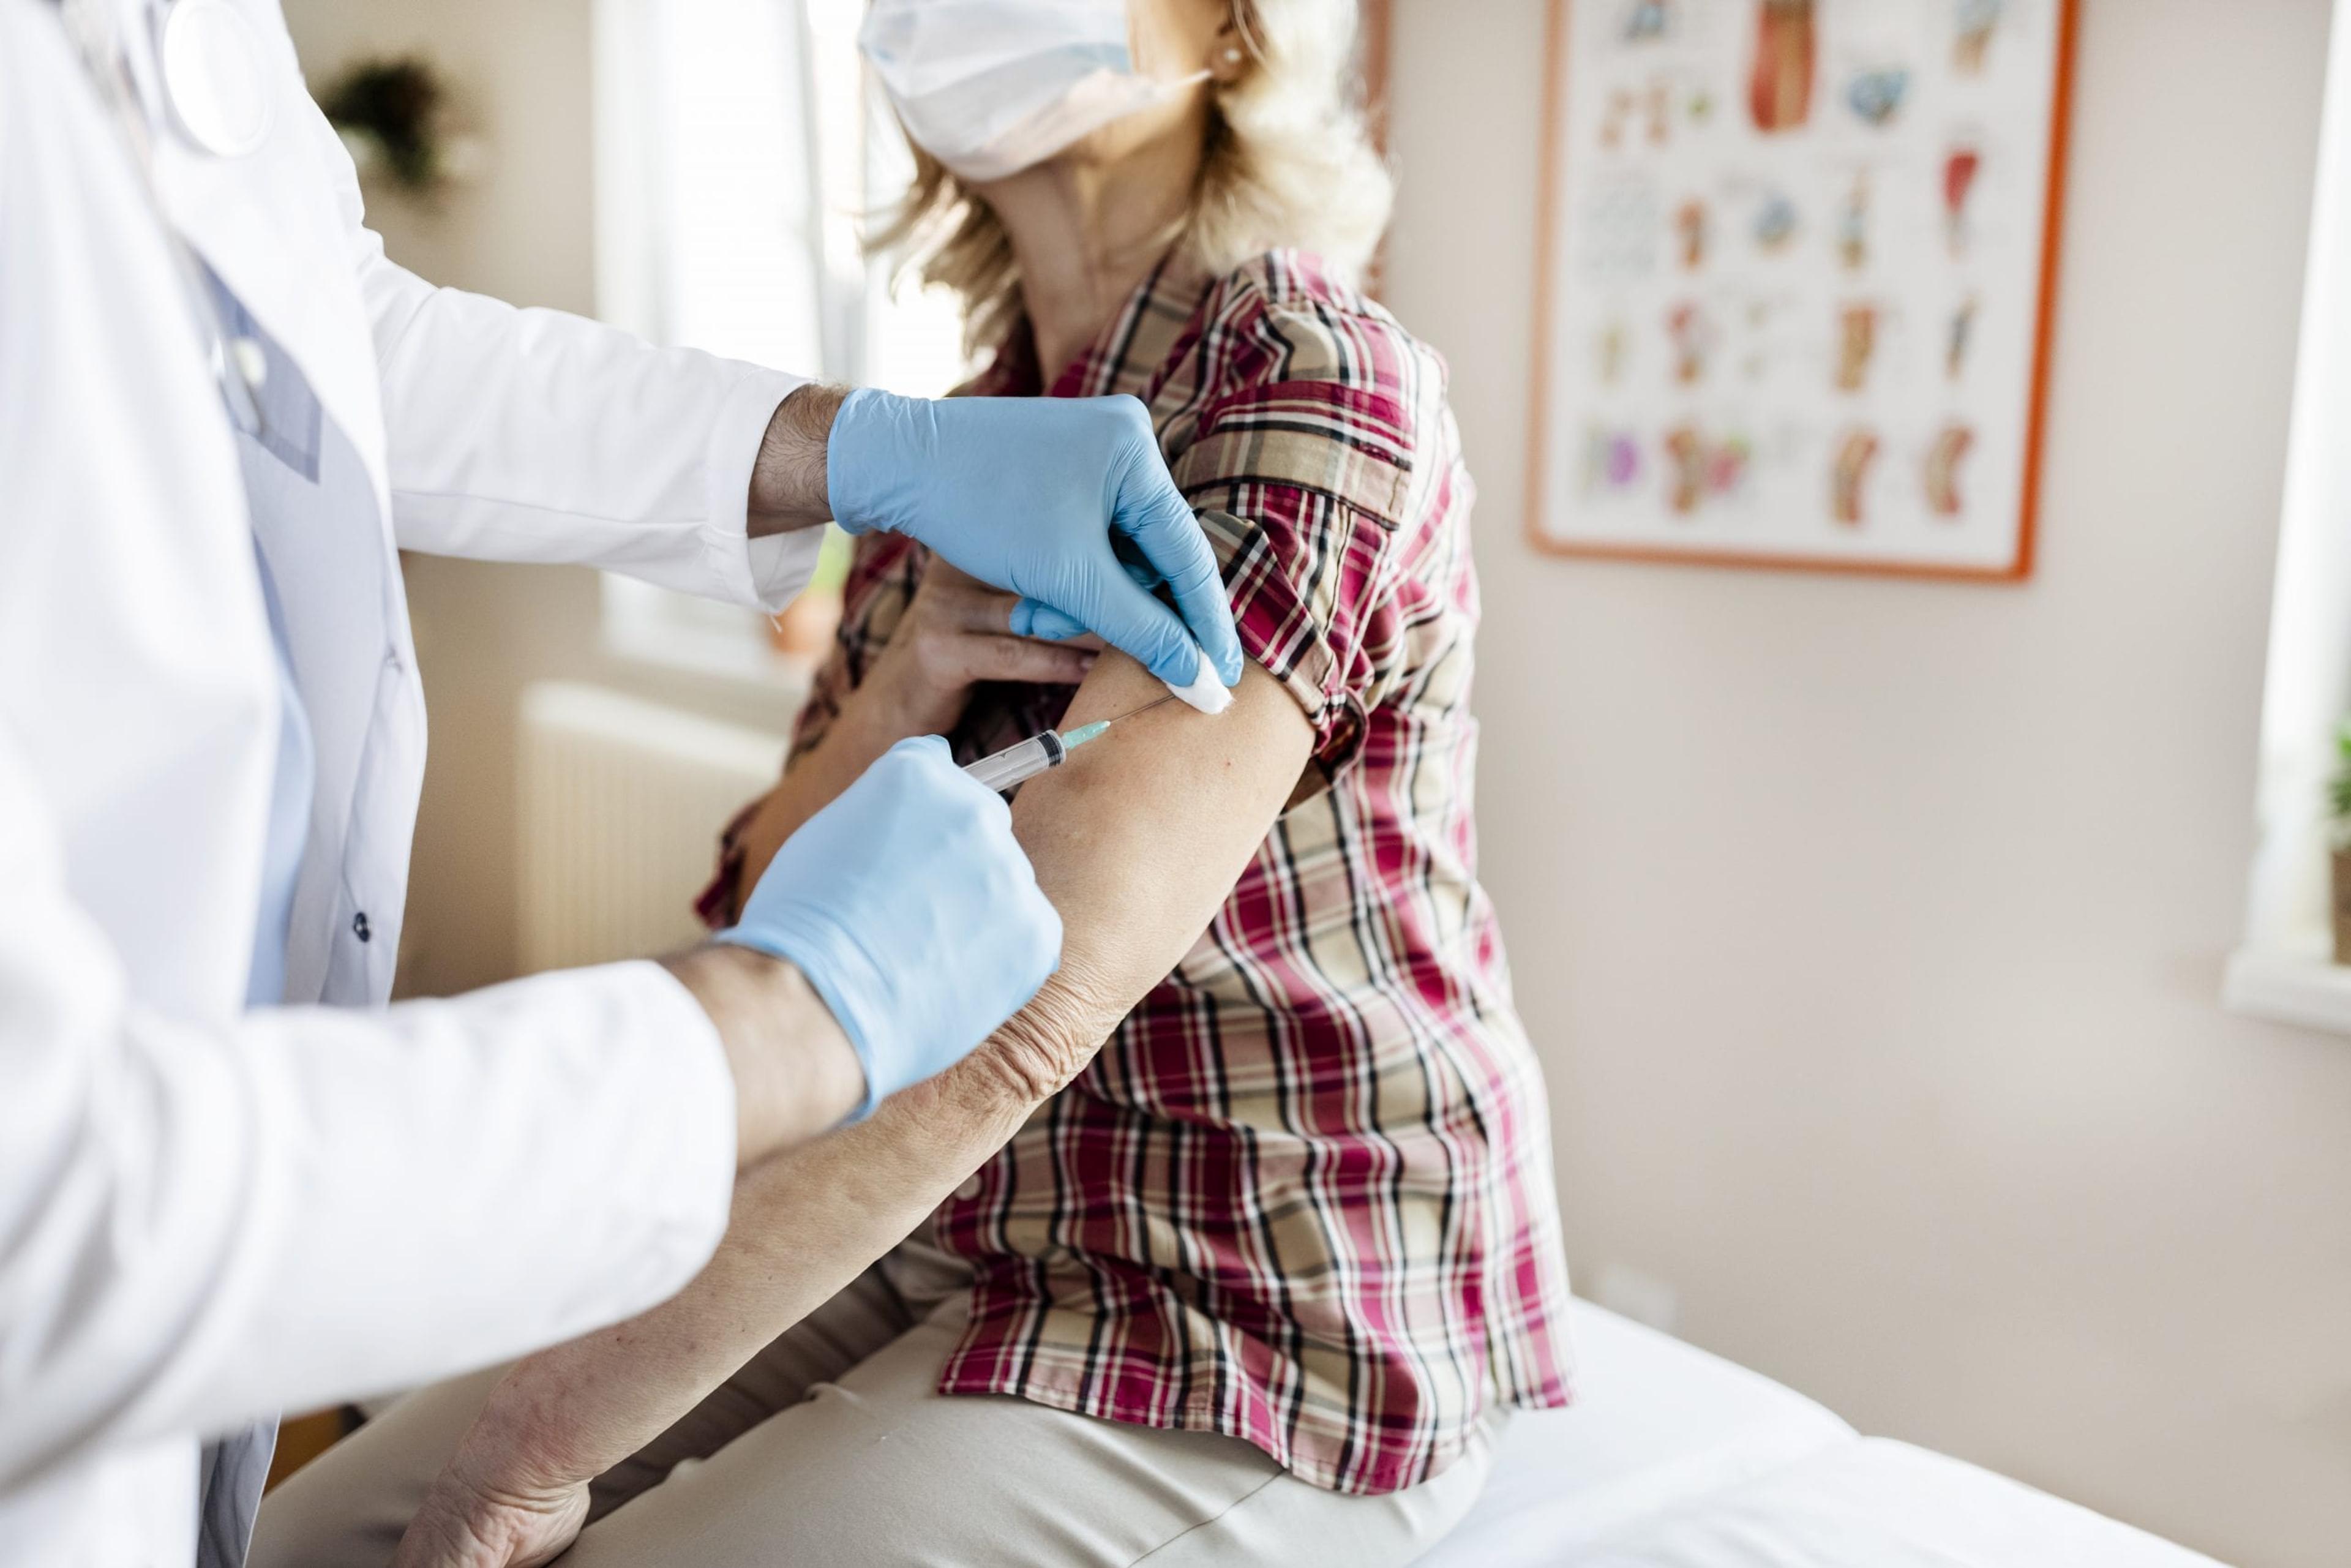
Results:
392 115
2338 808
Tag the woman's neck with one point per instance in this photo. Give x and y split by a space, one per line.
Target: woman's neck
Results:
1085 233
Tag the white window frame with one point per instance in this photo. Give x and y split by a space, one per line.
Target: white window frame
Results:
2284 969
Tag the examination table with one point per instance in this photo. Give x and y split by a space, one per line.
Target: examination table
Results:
1676 1458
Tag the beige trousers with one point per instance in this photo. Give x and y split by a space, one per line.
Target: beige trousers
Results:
832 1447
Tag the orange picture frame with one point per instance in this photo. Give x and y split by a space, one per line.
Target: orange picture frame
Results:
1541 398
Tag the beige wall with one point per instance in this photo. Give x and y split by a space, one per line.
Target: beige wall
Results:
517 72
1872 931
523 229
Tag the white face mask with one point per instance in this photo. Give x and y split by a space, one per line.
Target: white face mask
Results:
989 88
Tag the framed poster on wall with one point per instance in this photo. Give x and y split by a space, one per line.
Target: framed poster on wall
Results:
1797 263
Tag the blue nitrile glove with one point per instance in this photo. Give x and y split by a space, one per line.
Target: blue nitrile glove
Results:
911 909
1065 501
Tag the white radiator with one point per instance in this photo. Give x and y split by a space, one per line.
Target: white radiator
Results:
622 804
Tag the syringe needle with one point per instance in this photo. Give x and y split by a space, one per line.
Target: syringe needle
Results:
1047 748
1146 707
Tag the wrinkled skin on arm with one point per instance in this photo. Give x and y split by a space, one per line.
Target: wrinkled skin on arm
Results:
1137 841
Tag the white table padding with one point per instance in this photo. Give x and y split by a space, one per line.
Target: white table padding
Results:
1676 1458
1656 1421
1877 1503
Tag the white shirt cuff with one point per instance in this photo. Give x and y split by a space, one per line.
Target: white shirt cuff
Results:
767 573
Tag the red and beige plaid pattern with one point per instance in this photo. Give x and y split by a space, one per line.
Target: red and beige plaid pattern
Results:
1304 1196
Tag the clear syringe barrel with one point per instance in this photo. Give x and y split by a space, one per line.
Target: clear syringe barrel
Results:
1001 770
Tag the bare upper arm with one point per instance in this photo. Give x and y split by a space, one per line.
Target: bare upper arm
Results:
1138 839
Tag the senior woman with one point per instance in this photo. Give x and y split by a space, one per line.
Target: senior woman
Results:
1239 1243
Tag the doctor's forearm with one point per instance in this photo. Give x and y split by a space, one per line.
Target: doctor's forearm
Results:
788 479
804 1225
794 1073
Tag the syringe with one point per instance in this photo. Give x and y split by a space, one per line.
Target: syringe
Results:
1046 750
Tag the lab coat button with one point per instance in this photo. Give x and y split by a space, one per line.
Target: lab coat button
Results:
968 1188
359 925
252 364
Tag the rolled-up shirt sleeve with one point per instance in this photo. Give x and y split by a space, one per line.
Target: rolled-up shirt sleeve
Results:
1301 471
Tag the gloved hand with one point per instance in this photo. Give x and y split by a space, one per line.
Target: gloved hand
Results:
1065 501
913 913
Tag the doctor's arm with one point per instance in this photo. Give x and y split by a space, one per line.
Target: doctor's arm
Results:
536 436
201 1222
1138 841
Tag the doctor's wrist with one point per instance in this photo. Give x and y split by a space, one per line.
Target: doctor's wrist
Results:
796 1074
790 477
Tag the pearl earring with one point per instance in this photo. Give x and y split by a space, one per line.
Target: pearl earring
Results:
1232 57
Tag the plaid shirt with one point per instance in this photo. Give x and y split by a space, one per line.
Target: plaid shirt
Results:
1304 1196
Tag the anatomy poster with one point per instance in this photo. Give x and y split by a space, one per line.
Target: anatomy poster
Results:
1795 257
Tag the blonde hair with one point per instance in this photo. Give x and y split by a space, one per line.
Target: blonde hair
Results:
1288 164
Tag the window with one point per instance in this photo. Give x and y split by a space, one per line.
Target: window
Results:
739 150
2284 969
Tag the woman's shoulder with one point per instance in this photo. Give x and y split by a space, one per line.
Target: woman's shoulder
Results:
1302 376
1304 303
1290 278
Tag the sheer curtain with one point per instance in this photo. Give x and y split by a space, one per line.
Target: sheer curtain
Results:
710 203
738 157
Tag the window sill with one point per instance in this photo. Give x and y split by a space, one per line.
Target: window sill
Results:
2294 987
761 693
739 660
717 658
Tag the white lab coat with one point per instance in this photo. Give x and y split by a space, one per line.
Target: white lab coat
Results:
207 1214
